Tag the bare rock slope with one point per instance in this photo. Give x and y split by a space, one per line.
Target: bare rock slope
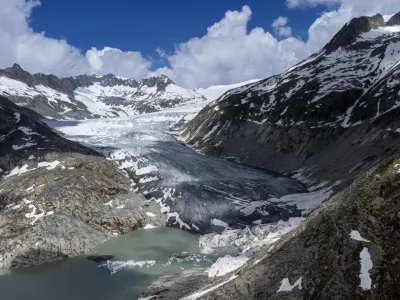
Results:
58 198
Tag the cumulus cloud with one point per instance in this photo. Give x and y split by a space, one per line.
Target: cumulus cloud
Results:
111 60
37 53
280 27
228 53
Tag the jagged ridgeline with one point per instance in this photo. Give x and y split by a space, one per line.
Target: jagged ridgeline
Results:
92 96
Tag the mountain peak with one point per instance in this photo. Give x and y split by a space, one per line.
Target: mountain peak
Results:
349 33
394 20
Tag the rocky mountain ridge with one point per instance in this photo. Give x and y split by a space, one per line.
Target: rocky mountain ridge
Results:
327 118
91 96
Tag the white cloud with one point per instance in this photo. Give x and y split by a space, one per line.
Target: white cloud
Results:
358 7
228 53
280 27
111 60
281 21
37 53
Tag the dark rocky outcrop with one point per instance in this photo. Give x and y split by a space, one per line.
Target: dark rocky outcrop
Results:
349 33
394 20
323 254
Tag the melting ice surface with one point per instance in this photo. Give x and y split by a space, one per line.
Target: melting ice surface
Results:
78 278
192 189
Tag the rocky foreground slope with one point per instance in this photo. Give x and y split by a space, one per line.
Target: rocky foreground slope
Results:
92 96
328 118
58 198
347 249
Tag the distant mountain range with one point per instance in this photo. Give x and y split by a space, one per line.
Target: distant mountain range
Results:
91 96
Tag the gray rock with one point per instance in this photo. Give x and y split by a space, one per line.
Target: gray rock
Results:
394 20
178 285
100 258
349 33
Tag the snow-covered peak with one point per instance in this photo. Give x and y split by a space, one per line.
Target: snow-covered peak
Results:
88 96
215 91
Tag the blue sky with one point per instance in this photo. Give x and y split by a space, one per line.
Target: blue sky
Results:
203 43
147 25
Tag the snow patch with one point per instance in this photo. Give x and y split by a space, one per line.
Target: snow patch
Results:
149 226
366 266
146 170
355 235
225 265
287 287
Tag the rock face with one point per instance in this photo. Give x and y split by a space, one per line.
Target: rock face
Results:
91 96
327 118
352 30
347 249
58 198
395 20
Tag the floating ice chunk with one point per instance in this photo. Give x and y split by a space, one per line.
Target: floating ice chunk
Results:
115 266
287 287
149 226
355 235
366 266
225 265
